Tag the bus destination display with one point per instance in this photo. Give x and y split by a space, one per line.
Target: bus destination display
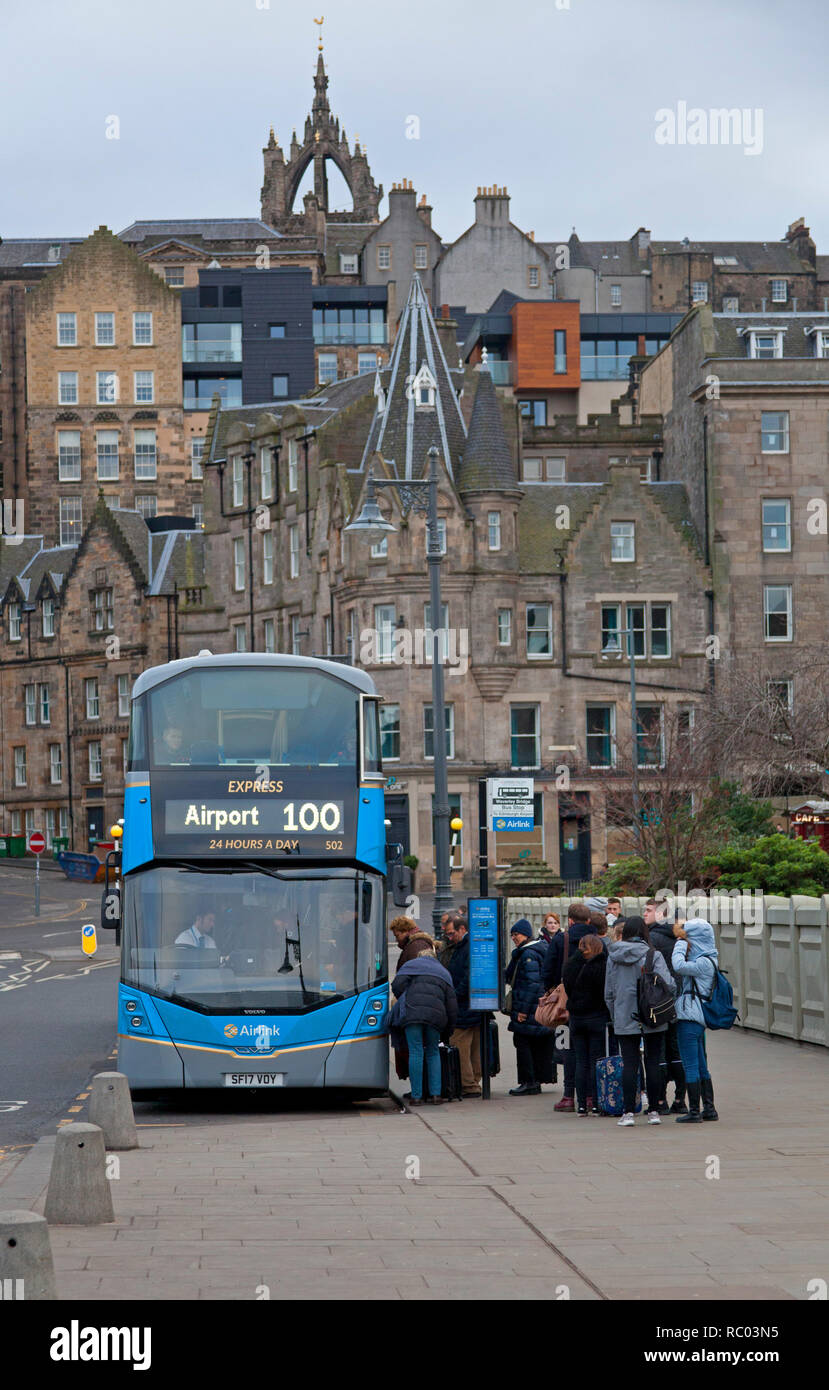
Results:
270 825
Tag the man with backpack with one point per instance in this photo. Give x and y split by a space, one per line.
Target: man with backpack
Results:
694 964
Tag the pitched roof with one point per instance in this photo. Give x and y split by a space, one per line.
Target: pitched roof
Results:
207 228
750 255
34 251
488 463
541 542
14 559
730 342
403 432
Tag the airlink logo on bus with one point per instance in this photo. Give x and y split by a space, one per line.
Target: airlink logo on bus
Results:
260 1031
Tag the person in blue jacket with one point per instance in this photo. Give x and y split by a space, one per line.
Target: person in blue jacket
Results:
693 963
426 1009
534 1044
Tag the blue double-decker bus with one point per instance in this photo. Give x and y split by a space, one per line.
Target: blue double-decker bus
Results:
252 902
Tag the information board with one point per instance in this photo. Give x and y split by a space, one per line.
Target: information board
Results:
486 953
510 803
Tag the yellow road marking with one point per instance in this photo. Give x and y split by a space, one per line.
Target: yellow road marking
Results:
73 1109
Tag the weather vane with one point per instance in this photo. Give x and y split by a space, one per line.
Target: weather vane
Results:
320 22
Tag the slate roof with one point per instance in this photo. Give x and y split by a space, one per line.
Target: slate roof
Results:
795 341
22 251
402 433
318 409
344 238
673 499
54 561
15 558
207 228
541 544
606 257
488 463
776 256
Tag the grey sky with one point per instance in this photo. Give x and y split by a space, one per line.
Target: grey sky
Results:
557 104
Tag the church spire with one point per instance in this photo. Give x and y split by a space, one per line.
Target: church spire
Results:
320 109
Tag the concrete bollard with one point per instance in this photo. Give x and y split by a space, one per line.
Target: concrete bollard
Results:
79 1193
110 1107
26 1269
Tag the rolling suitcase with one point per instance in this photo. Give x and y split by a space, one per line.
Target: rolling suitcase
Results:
608 1091
450 1074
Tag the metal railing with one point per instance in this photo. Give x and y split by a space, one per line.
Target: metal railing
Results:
211 350
604 368
343 334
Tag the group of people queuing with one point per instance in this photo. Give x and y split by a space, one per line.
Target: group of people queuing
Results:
586 973
590 970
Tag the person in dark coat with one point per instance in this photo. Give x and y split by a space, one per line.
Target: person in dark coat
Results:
427 1009
467 1034
533 1043
655 916
578 925
584 979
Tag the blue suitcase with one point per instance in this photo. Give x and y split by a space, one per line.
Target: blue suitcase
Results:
608 1093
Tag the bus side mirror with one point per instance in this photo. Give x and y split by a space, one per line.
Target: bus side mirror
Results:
400 879
111 897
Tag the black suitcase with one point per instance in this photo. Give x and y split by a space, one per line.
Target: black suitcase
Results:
451 1087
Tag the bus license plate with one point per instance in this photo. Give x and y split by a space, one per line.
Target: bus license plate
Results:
254 1078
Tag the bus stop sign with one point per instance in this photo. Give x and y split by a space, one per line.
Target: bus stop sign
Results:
37 842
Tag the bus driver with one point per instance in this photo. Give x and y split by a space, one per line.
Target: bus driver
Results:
199 933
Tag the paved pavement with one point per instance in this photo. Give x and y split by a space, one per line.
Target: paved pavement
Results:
57 1006
294 1198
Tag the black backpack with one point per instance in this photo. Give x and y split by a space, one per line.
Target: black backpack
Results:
654 998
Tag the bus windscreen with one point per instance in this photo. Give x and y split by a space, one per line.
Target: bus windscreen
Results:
226 941
253 718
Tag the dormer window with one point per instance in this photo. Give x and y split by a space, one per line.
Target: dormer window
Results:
422 389
14 622
763 342
821 337
47 614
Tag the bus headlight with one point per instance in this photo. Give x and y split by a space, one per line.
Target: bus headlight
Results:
377 1005
371 1020
137 1021
130 1006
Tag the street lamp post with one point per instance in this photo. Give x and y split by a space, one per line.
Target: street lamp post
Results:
421 495
615 648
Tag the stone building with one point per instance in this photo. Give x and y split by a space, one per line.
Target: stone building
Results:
104 388
492 255
177 249
538 577
77 626
745 404
400 246
23 262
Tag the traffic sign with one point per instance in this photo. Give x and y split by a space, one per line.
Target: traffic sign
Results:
37 842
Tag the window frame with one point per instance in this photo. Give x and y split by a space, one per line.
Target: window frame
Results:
59 328
610 735
765 526
95 760
71 399
768 613
618 537
493 530
784 432
539 656
239 565
503 619
136 314
517 708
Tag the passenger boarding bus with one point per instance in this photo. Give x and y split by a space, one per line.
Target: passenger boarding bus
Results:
252 900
